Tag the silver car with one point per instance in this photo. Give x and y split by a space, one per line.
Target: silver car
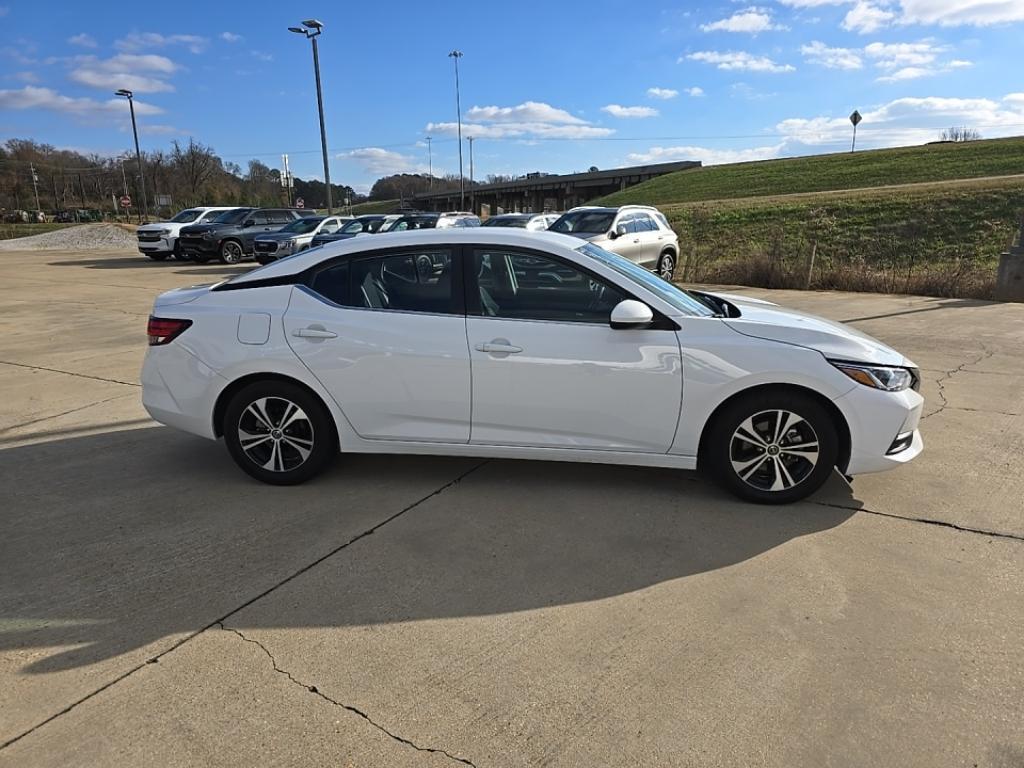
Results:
640 233
295 237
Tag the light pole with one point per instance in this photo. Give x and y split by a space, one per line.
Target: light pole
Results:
472 194
312 28
456 55
430 166
138 154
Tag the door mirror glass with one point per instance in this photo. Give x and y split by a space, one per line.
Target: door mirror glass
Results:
248 222
619 231
631 314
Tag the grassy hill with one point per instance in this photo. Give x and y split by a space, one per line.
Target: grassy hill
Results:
872 168
375 206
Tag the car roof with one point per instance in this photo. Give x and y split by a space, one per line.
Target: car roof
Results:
510 238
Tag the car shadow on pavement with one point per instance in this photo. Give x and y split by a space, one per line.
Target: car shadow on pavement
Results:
117 541
173 265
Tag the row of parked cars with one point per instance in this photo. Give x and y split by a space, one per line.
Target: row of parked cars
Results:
640 233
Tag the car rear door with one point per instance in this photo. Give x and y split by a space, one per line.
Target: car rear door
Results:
385 333
548 369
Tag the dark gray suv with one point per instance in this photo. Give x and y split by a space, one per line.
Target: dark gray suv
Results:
230 236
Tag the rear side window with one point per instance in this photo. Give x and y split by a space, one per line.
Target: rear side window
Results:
280 217
332 283
407 282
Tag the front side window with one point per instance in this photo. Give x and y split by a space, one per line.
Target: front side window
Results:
301 226
234 216
528 286
644 223
407 282
186 216
330 226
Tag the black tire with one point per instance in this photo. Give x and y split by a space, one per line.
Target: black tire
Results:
231 252
199 258
272 399
157 256
772 472
177 252
667 265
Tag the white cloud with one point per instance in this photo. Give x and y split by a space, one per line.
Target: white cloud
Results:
817 52
695 91
527 112
530 119
617 110
749 20
144 73
382 162
739 61
262 55
144 41
84 40
662 93
31 97
910 61
706 155
949 13
26 77
867 17
230 37
812 3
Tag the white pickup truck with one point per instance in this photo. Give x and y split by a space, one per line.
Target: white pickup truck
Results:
160 239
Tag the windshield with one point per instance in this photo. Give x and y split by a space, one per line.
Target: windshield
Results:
507 221
584 222
354 227
302 226
664 290
234 216
184 217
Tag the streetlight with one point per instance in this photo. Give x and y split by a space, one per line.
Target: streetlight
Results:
430 166
138 154
458 106
312 28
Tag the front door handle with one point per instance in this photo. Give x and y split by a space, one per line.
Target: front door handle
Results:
314 332
637 240
498 347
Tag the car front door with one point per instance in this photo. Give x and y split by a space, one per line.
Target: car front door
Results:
385 333
548 369
627 242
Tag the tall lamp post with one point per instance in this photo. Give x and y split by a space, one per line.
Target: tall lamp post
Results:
456 55
138 154
312 28
430 166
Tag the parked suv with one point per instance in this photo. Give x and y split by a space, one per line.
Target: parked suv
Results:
160 239
230 236
294 237
640 233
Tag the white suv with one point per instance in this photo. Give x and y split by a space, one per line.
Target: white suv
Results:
640 233
160 240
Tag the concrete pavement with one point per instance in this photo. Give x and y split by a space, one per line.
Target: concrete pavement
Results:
158 607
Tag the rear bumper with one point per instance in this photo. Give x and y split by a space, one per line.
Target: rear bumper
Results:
171 368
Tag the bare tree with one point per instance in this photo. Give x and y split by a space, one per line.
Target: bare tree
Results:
960 133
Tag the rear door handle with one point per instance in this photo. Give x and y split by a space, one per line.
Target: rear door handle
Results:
498 346
314 333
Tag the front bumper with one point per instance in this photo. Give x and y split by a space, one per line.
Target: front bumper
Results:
157 245
876 420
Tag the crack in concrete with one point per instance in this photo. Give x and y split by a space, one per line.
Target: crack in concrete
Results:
65 413
69 373
925 520
348 707
220 620
985 355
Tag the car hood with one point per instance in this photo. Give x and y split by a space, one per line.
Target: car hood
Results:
198 229
764 320
279 236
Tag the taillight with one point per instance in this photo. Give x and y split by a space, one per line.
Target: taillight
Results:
163 330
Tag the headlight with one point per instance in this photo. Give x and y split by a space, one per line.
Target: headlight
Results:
163 232
284 245
885 377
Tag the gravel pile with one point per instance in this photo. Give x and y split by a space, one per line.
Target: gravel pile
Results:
87 237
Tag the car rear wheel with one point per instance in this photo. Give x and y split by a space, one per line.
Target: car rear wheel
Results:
667 266
279 433
772 447
231 252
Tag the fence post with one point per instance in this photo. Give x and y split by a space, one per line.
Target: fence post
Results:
1010 278
810 267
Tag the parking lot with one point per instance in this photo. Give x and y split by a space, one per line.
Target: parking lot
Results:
158 607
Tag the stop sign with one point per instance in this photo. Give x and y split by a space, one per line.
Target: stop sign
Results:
126 201
300 203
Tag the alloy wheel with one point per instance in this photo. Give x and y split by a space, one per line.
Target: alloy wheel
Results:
666 267
276 434
231 252
774 450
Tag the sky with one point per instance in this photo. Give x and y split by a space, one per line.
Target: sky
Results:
554 86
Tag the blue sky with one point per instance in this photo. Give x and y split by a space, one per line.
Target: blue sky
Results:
556 86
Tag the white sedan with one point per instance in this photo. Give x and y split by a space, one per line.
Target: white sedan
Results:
528 345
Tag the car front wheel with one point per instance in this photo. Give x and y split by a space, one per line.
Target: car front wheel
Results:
279 433
231 252
773 447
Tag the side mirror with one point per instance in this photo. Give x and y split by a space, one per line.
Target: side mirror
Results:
248 222
619 231
631 314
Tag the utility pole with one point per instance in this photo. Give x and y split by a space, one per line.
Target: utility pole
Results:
430 166
81 189
456 55
138 154
472 194
35 183
312 28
